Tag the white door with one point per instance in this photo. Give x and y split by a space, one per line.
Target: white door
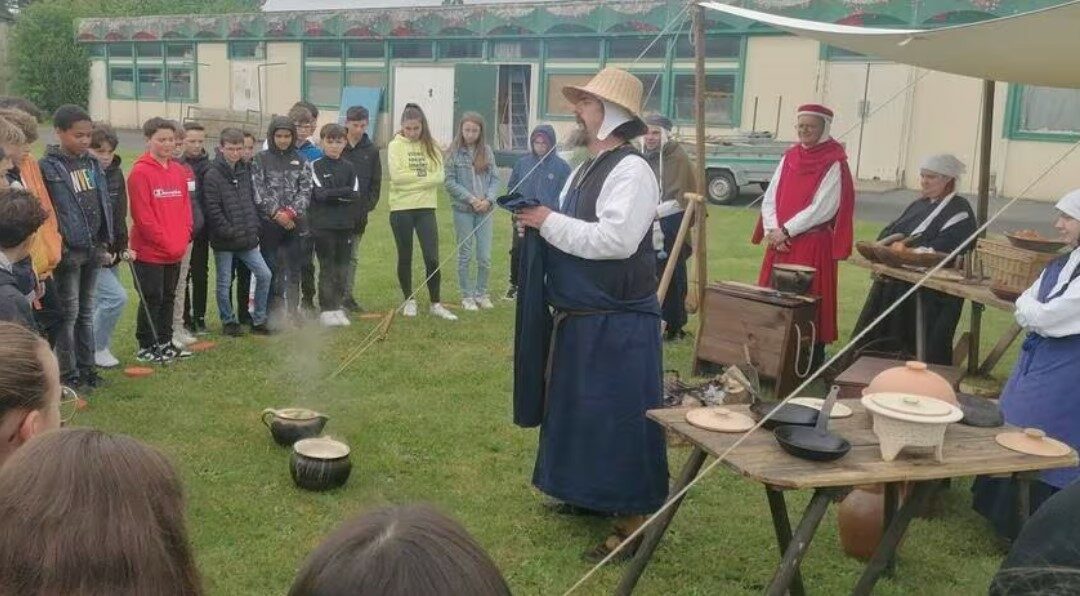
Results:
245 86
871 129
431 88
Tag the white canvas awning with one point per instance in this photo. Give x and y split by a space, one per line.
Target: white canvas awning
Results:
1034 48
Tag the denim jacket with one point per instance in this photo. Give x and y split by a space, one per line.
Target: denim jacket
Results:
463 182
73 227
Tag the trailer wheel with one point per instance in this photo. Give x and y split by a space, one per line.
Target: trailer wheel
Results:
722 187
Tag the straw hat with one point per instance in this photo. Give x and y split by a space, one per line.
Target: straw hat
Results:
613 85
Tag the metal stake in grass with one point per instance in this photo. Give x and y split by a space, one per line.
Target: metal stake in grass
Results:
146 311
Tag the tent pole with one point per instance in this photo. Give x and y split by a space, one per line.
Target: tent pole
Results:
700 259
986 137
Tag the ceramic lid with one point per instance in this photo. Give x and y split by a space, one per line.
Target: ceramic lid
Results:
1033 441
719 419
321 448
839 410
296 413
912 408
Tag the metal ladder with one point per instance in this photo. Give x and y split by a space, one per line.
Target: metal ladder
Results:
518 110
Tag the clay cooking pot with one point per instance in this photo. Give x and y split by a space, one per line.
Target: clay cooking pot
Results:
319 464
914 378
795 279
290 425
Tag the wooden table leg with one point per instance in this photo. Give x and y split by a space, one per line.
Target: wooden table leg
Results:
651 537
1000 347
800 542
976 335
889 513
1023 498
886 549
782 526
920 327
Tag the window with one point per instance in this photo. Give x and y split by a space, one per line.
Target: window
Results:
121 82
716 46
556 104
120 50
323 87
584 48
95 50
652 92
513 50
323 50
411 49
181 84
367 78
719 98
1045 112
461 48
180 51
835 53
629 48
247 50
151 83
148 50
361 50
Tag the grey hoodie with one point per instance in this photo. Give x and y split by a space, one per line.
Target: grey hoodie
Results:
282 179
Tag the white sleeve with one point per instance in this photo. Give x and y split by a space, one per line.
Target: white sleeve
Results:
1058 318
768 202
824 206
625 209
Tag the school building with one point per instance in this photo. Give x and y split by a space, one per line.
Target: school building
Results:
509 61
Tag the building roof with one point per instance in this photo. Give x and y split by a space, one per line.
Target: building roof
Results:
307 5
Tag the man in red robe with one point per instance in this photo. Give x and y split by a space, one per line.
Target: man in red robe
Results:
806 214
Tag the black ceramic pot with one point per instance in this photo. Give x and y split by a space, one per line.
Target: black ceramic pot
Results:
320 464
290 425
795 279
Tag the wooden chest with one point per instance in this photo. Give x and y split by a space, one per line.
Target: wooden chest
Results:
858 375
776 329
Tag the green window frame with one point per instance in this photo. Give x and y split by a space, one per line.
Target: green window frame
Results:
152 71
329 66
96 51
412 49
574 49
682 107
247 50
1018 115
316 78
513 49
555 106
461 49
628 47
364 73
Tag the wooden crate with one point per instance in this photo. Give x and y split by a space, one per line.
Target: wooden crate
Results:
737 318
1009 267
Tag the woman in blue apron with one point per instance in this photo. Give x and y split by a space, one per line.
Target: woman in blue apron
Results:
1044 390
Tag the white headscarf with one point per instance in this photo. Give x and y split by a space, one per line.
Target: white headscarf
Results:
944 164
1070 204
614 117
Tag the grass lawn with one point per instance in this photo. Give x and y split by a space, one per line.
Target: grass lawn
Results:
427 413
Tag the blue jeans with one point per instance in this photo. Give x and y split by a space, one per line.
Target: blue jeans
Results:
223 259
76 279
109 302
464 223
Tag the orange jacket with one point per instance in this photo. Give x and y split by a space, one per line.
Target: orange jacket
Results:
47 246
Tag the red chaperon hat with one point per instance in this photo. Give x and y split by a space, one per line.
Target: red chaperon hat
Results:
813 109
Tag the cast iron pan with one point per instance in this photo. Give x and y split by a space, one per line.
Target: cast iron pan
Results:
786 414
815 443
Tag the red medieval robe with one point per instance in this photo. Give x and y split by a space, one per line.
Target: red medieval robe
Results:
821 246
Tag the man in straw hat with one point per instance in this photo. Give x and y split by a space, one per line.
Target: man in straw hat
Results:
806 215
598 453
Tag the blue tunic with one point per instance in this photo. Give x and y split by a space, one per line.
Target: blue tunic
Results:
1044 390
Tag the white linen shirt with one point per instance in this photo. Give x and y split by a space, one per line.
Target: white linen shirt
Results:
625 209
1061 316
822 209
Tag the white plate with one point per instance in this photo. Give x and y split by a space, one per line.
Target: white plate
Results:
839 410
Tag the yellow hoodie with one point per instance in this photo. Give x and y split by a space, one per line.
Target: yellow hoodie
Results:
415 178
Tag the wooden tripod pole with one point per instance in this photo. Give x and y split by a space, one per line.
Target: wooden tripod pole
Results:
700 252
693 200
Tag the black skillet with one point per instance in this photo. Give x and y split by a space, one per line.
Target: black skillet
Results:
815 443
784 414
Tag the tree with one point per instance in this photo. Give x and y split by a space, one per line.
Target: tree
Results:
50 69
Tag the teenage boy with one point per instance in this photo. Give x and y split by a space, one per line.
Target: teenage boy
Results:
196 158
80 196
20 217
233 227
304 121
240 271
161 229
364 157
336 207
282 184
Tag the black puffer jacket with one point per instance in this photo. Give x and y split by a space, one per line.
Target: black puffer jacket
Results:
114 178
199 166
231 218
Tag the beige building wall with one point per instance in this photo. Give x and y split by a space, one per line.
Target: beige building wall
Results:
781 71
282 84
213 78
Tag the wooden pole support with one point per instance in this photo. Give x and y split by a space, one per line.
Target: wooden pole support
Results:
673 258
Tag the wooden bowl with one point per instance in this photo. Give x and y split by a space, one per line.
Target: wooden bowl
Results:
866 249
886 256
1037 244
920 259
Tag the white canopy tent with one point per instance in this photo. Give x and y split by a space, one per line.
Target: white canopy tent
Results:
1034 48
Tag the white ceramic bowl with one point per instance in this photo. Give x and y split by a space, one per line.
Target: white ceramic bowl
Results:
903 420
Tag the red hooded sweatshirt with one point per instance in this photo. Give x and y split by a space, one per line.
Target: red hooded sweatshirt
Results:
160 210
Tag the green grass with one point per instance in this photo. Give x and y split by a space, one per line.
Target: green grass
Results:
427 413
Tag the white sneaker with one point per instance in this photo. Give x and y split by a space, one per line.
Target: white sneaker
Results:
183 337
105 359
409 309
469 304
484 302
342 318
328 318
440 311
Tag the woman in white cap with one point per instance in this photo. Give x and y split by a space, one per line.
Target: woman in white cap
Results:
940 220
1044 389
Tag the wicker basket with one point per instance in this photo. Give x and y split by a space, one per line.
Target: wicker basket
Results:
1011 268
